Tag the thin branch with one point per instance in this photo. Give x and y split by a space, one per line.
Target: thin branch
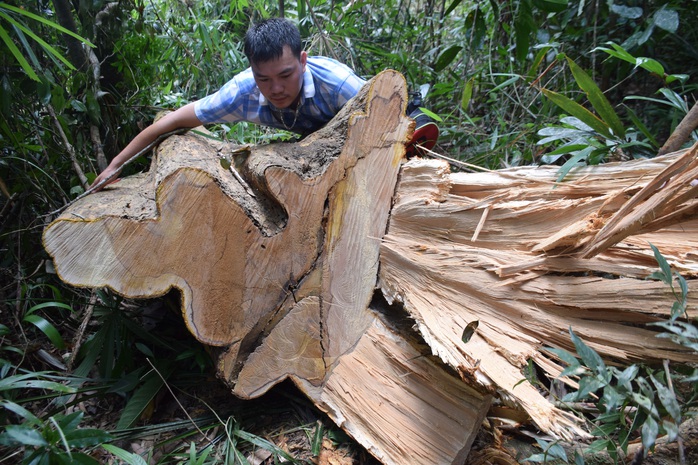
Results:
68 146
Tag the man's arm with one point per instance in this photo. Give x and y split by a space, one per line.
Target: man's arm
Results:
184 117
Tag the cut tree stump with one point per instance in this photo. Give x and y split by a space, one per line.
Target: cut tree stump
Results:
278 251
276 256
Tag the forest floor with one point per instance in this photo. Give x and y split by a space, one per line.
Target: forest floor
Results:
287 419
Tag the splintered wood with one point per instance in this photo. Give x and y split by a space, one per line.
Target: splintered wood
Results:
276 256
527 259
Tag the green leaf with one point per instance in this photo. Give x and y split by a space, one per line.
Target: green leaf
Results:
467 94
627 375
667 19
47 328
641 127
653 66
452 7
18 55
469 330
572 162
121 454
668 399
551 6
24 435
86 437
597 98
524 26
618 52
38 39
430 114
140 399
49 305
650 431
588 355
626 11
575 109
446 57
45 22
666 274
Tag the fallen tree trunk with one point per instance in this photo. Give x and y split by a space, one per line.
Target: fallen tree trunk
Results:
527 259
278 251
277 269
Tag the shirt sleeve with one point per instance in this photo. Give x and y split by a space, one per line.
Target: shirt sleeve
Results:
237 100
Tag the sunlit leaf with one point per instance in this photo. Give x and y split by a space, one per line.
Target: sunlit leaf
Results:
575 109
668 399
653 66
597 98
667 19
626 12
467 94
588 355
572 162
45 22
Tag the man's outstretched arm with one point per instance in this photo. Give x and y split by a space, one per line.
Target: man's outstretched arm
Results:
182 118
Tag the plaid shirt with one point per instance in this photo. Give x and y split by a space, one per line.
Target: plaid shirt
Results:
327 86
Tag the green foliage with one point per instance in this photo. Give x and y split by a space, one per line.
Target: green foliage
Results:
497 80
14 17
635 399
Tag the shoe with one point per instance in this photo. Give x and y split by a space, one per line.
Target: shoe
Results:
425 135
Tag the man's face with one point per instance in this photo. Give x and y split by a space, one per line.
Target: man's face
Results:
280 80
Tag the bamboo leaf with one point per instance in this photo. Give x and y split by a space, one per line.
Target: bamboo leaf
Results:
121 454
597 98
587 354
452 7
572 162
575 109
141 398
18 56
47 328
38 39
467 94
45 22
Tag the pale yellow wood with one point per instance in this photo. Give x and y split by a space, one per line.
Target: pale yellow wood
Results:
401 405
277 263
502 249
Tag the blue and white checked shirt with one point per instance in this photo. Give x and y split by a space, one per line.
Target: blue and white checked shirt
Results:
327 86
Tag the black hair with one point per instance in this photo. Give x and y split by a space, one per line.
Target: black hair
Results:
265 41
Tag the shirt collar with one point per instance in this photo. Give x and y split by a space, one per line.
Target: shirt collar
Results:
308 90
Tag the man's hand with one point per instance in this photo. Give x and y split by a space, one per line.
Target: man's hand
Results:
106 177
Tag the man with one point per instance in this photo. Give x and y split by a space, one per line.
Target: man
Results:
283 88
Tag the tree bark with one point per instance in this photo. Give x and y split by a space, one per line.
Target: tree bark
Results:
683 131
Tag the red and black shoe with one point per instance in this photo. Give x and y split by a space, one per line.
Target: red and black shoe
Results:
425 135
